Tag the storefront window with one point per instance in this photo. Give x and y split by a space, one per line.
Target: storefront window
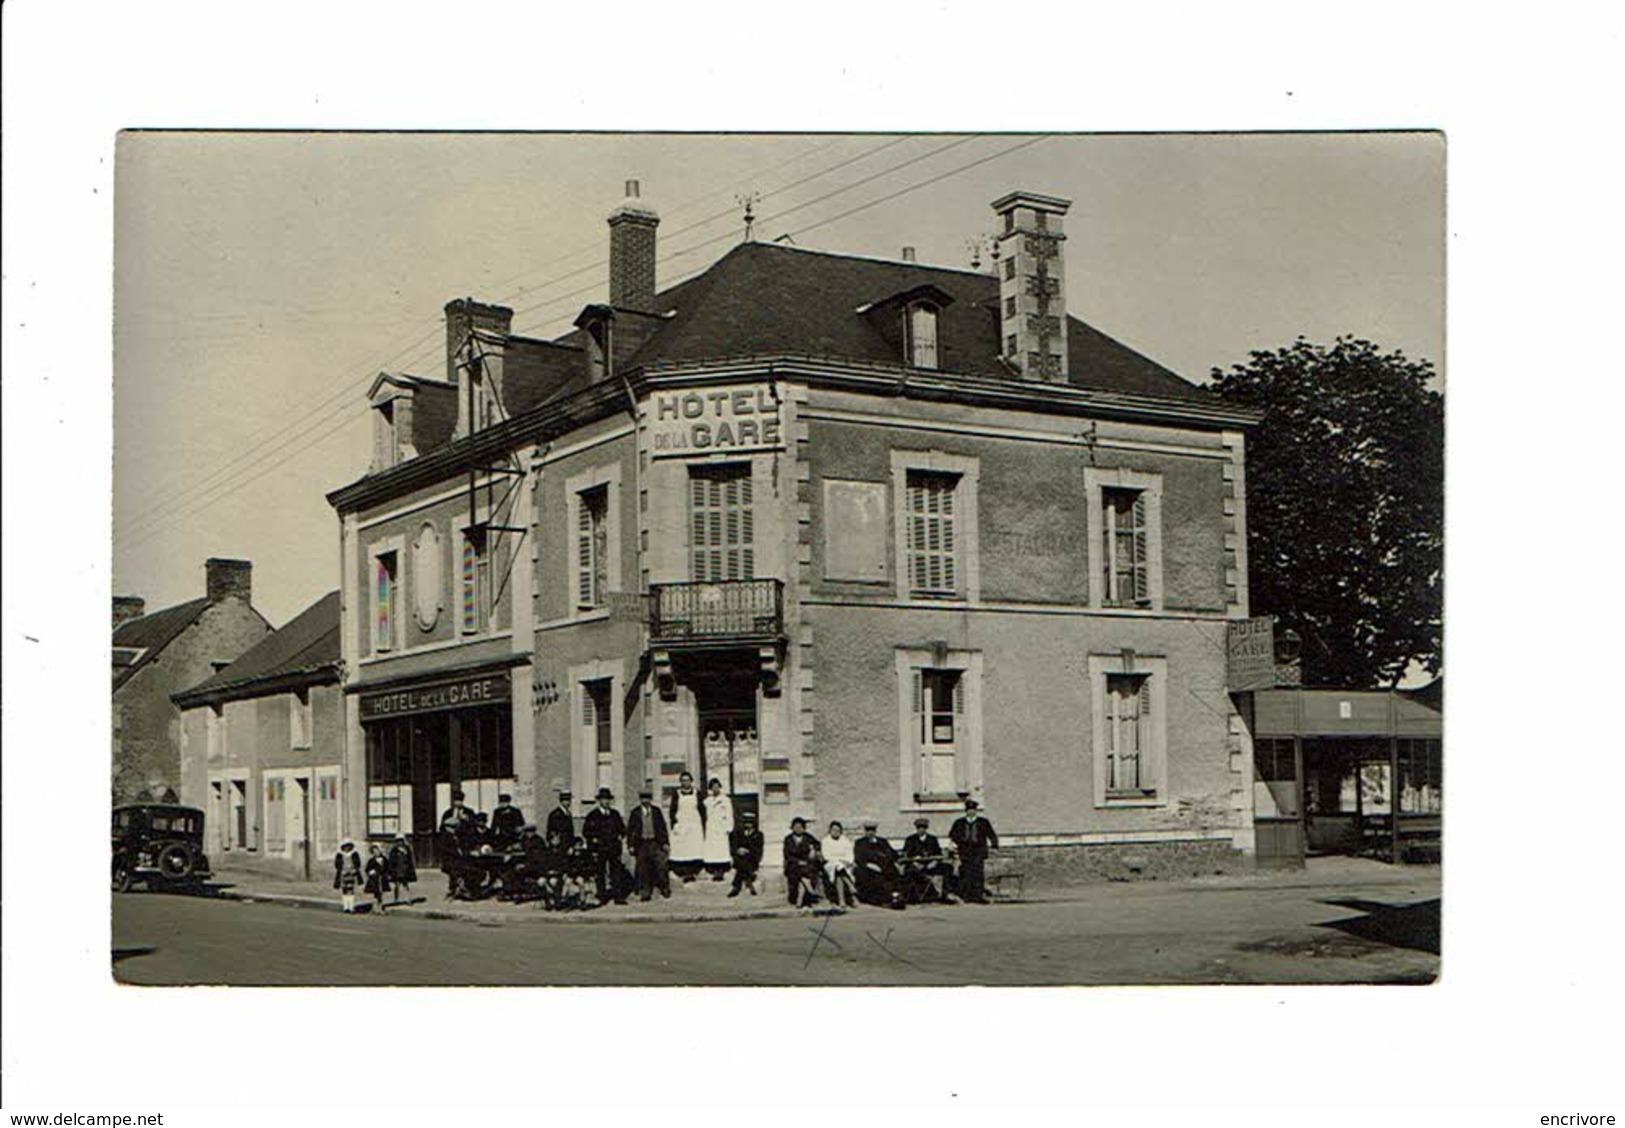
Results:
1276 787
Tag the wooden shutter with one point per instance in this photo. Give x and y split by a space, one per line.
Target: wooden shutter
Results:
1142 591
961 733
932 536
722 527
585 595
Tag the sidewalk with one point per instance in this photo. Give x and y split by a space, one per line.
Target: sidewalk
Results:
705 900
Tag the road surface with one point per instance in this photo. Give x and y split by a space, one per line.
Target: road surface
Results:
1282 932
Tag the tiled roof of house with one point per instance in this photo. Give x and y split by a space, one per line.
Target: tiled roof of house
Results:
307 645
149 634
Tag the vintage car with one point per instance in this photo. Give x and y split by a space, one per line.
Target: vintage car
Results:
158 843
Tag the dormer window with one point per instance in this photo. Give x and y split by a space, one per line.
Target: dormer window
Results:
922 335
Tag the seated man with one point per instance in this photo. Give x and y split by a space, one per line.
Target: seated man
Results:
745 846
875 865
507 823
925 869
803 864
526 878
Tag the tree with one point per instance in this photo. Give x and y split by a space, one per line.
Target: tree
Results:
1345 505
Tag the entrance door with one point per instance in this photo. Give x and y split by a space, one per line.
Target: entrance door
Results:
730 741
298 820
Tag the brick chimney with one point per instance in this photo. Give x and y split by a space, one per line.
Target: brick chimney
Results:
632 252
127 607
229 578
1032 284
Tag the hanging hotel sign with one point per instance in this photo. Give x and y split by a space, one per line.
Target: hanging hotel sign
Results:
701 421
1250 654
487 689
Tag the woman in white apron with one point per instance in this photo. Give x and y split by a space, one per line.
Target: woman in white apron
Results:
686 818
719 823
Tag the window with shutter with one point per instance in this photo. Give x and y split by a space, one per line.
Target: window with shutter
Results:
939 706
722 523
475 579
933 565
922 335
383 634
1128 701
1124 555
592 547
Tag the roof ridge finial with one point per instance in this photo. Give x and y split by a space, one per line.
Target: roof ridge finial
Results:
749 200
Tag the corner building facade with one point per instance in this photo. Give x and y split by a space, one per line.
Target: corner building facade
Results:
817 526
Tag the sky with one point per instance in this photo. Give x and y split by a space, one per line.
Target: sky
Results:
262 279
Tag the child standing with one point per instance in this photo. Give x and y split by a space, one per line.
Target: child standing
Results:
377 874
403 869
347 873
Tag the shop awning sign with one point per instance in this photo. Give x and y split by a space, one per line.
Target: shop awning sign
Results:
485 689
1250 654
702 421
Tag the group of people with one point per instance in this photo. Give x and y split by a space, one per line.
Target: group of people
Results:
871 870
692 833
393 872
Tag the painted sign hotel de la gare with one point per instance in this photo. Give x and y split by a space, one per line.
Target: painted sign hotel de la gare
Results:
856 536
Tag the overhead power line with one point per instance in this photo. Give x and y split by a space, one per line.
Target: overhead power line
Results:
234 481
176 497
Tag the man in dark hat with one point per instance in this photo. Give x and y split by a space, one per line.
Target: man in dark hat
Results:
745 846
455 826
875 867
925 869
803 864
603 830
506 823
650 841
973 836
561 825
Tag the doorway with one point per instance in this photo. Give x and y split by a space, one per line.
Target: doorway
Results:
730 742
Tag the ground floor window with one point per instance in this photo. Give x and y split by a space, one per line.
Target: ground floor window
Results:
413 763
1128 695
1421 777
940 712
276 815
1275 765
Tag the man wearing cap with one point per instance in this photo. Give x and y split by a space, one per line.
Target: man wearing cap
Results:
506 823
646 834
925 869
455 826
561 825
803 863
603 830
973 836
745 845
875 863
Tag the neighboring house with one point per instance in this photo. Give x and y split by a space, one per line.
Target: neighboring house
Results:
263 747
157 654
855 536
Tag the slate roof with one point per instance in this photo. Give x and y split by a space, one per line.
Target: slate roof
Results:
767 298
306 648
149 634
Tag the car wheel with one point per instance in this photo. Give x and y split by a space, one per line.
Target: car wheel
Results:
175 862
122 877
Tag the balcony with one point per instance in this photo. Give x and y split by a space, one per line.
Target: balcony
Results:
733 611
732 615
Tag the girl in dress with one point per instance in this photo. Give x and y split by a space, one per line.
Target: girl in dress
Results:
377 870
347 873
686 821
719 823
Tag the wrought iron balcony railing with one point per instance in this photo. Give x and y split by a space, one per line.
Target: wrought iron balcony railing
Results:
732 609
